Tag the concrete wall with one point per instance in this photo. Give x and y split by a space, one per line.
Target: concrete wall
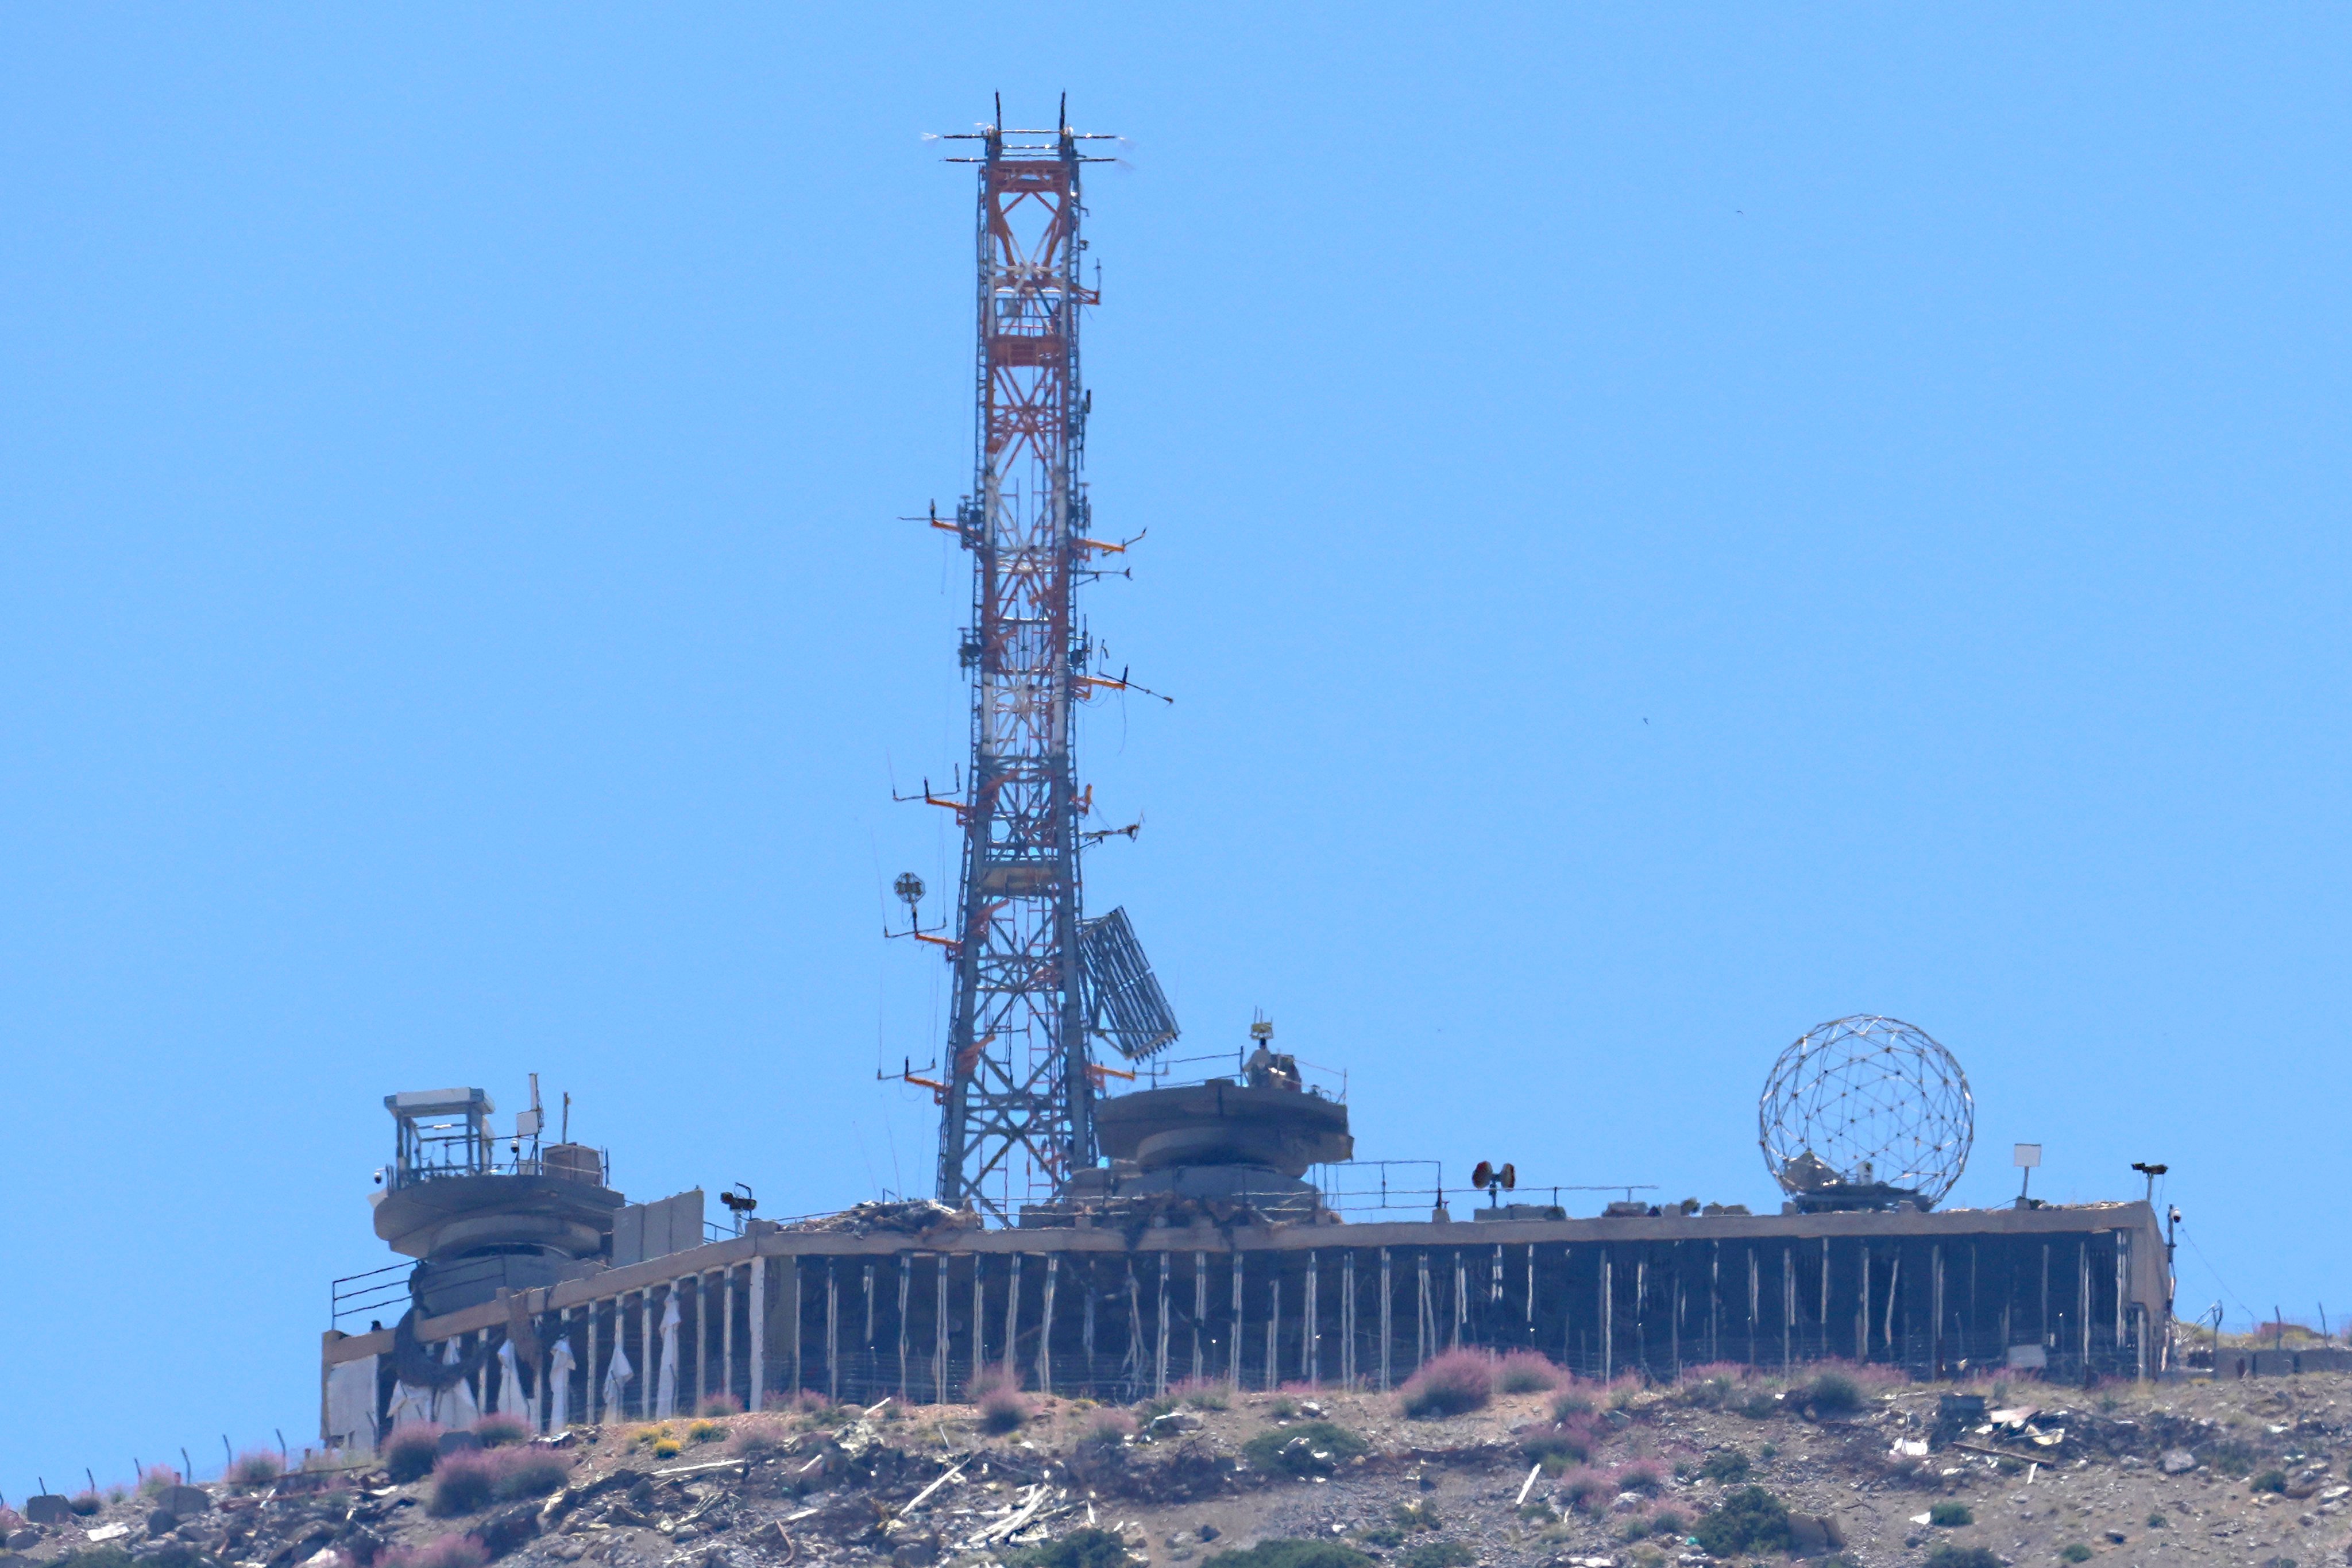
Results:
659 1229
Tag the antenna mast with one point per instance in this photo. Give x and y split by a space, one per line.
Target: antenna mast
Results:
1016 1114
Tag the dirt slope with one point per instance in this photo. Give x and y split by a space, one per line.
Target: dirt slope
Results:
2245 1474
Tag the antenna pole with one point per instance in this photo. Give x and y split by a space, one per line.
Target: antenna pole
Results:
1017 1115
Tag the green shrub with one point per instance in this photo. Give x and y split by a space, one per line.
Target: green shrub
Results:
1834 1393
1289 1554
85 1503
1558 1447
1724 1465
1668 1520
1315 1448
1762 1406
1087 1548
2231 1456
1711 1387
1951 1515
2075 1552
1202 1394
1749 1520
1951 1554
1568 1401
1281 1408
1437 1554
2155 1522
2268 1482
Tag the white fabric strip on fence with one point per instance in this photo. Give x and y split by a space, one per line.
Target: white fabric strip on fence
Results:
617 1372
665 1389
454 1407
509 1394
560 1363
410 1406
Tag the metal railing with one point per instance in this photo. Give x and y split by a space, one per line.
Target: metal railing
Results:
520 1165
1382 1194
1324 1083
362 1295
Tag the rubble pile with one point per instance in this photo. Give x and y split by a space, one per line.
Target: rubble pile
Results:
896 1216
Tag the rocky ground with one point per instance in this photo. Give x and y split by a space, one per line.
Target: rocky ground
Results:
2247 1473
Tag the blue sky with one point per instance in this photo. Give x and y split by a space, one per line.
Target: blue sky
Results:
1667 526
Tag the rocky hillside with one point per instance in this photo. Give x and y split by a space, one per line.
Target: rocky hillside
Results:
1836 1468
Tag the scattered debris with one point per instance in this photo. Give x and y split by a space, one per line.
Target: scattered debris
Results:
902 1217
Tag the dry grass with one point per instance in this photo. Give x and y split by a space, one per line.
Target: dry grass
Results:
464 1482
757 1435
444 1552
257 1468
410 1452
497 1431
531 1472
1004 1408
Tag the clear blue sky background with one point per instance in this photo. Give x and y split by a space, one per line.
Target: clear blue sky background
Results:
1667 526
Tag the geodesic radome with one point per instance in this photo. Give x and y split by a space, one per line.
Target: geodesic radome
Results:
1866 1101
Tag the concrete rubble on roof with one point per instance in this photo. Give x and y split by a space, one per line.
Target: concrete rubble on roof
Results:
909 1216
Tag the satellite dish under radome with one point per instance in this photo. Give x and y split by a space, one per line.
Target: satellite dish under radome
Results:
1865 1113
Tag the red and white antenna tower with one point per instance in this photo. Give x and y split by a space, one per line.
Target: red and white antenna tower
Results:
1019 1082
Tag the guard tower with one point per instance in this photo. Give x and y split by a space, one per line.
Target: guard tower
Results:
478 1223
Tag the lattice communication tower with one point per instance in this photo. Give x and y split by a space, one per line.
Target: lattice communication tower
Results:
1033 979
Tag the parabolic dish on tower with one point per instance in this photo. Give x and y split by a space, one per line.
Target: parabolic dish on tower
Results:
1866 1113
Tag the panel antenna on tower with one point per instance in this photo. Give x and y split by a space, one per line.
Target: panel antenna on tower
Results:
1125 1004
